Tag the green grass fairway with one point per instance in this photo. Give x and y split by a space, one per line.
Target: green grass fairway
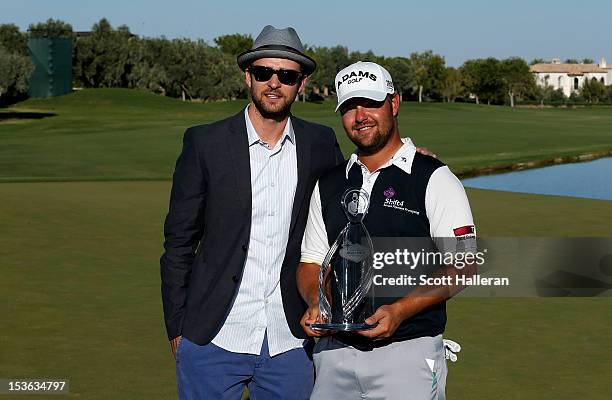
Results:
83 194
80 295
113 134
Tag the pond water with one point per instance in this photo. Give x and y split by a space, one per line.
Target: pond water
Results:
591 179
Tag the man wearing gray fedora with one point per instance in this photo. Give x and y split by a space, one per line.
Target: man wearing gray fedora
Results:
237 214
238 210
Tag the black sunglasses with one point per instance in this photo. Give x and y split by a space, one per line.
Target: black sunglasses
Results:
285 76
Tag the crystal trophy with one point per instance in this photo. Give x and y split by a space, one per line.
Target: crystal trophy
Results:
345 277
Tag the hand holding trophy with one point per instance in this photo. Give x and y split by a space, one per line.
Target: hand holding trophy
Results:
345 278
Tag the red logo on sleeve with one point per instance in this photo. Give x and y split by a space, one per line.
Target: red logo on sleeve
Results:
465 230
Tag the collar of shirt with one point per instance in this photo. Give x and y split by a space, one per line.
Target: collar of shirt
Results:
402 158
254 136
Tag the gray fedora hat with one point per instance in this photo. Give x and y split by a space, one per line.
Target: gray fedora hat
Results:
277 43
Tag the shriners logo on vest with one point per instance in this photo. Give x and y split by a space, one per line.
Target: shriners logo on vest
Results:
396 204
355 77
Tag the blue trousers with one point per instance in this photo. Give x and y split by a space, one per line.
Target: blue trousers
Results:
210 372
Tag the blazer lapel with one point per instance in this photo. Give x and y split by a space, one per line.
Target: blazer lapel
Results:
238 147
303 149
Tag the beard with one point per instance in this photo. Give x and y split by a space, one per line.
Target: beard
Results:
277 111
378 141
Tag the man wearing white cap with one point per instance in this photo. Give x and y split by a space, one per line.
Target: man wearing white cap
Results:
410 195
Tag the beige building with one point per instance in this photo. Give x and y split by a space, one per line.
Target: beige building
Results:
570 77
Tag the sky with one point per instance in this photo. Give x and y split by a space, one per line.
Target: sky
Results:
458 30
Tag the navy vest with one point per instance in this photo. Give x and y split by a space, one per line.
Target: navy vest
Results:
385 221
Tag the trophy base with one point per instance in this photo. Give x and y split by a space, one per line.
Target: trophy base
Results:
344 327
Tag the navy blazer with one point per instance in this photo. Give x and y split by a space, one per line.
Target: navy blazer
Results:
209 220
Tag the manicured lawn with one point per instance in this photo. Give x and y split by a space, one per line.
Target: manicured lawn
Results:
112 134
81 299
80 274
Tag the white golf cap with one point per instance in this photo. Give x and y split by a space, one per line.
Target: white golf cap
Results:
363 79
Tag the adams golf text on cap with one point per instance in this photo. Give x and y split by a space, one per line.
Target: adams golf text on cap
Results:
363 79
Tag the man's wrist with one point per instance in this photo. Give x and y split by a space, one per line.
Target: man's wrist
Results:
313 301
313 295
404 308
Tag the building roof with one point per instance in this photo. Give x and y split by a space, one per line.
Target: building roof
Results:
570 69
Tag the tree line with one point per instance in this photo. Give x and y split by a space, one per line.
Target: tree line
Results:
193 69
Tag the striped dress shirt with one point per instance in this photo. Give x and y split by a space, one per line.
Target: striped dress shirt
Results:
258 306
